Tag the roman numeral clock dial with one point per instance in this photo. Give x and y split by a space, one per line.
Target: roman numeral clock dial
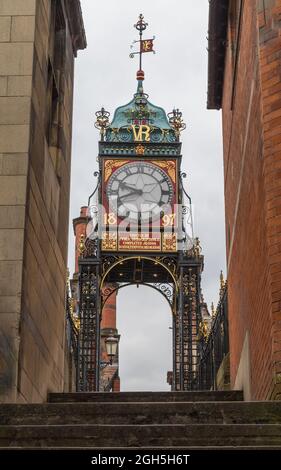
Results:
139 190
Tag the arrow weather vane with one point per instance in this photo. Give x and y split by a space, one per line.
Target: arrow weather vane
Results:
146 45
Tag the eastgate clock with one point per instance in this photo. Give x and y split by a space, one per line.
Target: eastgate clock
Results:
139 191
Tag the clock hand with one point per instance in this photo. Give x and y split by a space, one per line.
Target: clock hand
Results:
127 186
150 184
135 193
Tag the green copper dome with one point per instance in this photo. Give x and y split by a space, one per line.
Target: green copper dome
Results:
139 112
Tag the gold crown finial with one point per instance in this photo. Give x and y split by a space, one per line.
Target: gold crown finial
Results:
102 121
176 121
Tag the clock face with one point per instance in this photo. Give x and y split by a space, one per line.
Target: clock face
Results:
139 191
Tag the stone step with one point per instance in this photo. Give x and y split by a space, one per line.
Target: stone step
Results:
232 395
142 413
126 436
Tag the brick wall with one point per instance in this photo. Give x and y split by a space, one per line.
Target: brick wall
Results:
247 252
270 71
252 169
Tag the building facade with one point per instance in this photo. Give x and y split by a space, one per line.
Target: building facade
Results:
244 81
38 43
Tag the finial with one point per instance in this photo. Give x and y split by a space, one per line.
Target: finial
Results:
74 318
204 330
213 310
197 247
82 245
140 75
146 45
176 121
141 25
222 283
102 121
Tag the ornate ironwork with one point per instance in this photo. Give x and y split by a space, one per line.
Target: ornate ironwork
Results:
216 348
182 294
89 333
102 122
176 121
187 328
141 24
187 218
169 262
166 289
72 326
91 247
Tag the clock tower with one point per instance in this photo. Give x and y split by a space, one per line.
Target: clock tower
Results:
140 230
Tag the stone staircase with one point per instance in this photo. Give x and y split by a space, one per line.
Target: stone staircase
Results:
166 420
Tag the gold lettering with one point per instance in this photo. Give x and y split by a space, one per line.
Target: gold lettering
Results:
141 133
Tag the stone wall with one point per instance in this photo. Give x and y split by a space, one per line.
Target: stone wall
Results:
36 86
17 30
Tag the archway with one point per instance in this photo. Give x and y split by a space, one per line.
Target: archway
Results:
178 282
144 322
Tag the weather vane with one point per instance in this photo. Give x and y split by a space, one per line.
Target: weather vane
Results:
146 45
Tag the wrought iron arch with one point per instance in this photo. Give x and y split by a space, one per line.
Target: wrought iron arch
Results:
166 290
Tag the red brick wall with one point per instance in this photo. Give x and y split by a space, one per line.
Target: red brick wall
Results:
116 385
80 228
109 311
245 206
270 69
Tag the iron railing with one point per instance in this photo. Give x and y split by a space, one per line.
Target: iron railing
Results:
216 346
71 331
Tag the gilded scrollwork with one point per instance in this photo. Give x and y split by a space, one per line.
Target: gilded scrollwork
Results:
110 165
168 165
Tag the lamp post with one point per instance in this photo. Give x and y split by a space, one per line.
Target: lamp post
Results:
110 378
111 345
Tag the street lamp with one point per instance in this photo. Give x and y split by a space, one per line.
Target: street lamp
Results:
111 344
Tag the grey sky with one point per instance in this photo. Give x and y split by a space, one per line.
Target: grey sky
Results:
175 77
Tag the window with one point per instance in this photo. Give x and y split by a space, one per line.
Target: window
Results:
56 62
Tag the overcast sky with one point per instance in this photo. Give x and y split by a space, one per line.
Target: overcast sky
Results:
175 77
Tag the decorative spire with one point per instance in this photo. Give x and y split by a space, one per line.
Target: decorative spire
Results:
197 248
222 284
146 45
102 122
176 121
